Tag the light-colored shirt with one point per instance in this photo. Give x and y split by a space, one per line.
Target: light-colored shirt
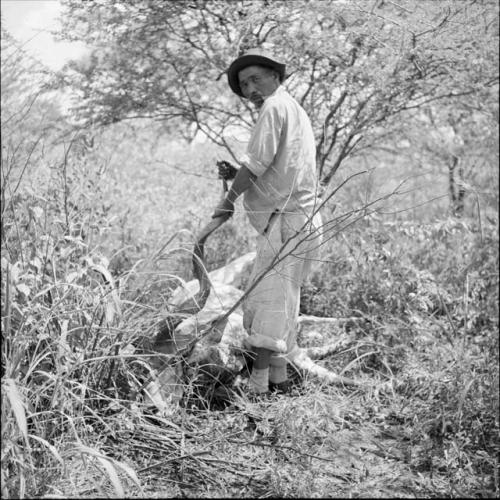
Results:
282 154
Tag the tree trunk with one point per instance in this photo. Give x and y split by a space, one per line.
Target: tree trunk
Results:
456 187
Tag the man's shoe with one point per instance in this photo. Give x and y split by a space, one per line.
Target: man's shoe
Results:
280 387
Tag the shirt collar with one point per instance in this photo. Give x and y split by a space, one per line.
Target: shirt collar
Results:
279 90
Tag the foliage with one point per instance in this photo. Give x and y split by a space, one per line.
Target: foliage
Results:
96 231
58 301
405 269
428 298
355 68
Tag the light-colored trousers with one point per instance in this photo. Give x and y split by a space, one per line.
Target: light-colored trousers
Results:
271 309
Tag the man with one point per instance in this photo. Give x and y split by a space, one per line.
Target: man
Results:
278 178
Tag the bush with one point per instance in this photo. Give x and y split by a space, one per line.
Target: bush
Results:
428 295
386 269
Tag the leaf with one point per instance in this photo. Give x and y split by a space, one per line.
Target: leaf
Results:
72 277
129 471
24 289
113 305
14 272
113 475
75 239
66 252
17 405
36 263
110 312
110 467
37 212
51 448
104 272
4 264
63 347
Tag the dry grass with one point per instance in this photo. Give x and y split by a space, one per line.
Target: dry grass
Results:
74 423
85 281
317 441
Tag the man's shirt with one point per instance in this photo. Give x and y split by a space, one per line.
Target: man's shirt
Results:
282 154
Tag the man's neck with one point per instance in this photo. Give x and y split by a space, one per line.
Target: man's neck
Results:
267 96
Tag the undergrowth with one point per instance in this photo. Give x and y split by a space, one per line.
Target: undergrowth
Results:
427 296
83 286
422 303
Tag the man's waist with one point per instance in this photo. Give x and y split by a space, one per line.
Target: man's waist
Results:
257 201
259 214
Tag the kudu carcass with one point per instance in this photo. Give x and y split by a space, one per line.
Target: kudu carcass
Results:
203 340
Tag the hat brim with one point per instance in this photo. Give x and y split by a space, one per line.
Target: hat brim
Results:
251 60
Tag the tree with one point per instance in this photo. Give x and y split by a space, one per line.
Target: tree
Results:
360 69
27 120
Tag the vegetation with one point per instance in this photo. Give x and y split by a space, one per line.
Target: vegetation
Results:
168 62
98 212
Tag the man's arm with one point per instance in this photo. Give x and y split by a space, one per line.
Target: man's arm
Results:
261 151
243 180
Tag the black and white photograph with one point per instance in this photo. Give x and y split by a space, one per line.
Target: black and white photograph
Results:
249 249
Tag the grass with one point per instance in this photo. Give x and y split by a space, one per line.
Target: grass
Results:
84 284
424 427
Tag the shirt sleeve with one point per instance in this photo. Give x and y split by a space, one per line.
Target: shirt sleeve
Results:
264 141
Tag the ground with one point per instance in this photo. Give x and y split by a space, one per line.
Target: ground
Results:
379 440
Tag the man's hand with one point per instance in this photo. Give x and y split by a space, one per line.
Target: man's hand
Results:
225 208
226 170
243 180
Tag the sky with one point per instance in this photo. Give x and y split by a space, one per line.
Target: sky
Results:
29 21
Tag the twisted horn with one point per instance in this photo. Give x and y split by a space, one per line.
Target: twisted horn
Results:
166 342
199 268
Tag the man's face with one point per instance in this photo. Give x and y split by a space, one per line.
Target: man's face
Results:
257 82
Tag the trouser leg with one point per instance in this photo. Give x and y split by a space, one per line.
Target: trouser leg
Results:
260 376
272 306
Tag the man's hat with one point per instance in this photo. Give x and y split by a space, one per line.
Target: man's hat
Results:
252 57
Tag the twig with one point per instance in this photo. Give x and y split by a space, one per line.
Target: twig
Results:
168 460
282 447
233 471
65 179
445 307
280 256
8 303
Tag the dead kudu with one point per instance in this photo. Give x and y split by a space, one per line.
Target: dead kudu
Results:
202 341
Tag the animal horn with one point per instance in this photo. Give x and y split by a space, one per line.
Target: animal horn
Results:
199 268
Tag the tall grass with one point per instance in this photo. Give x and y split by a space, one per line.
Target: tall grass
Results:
90 255
426 296
61 325
73 323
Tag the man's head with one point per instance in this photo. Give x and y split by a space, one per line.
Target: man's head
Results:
257 82
255 75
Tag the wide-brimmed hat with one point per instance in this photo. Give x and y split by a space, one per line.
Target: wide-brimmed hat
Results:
252 57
